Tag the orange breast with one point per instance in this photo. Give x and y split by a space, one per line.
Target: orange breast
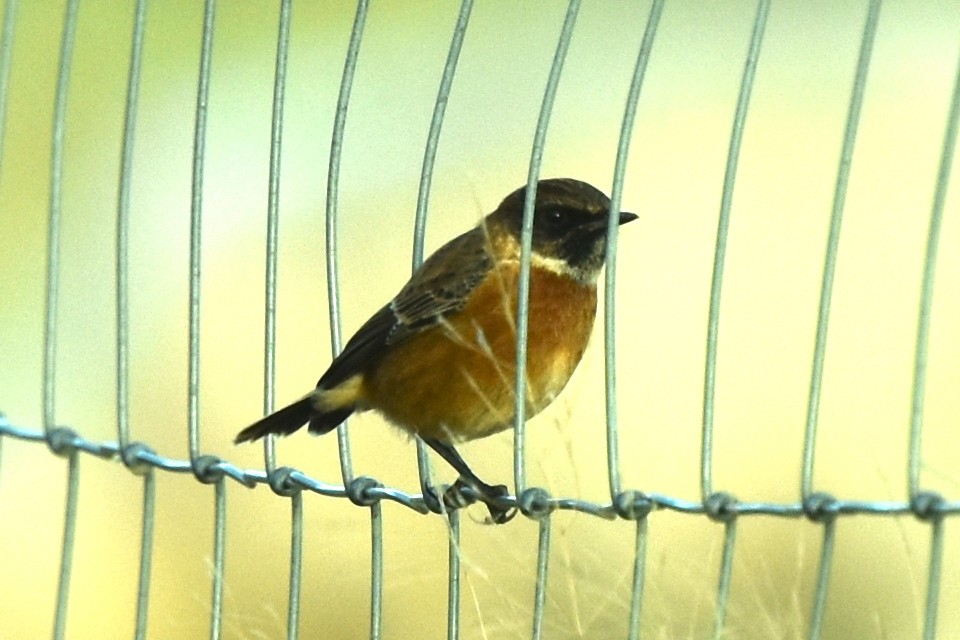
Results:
455 381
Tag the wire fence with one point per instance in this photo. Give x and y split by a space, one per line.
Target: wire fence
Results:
535 502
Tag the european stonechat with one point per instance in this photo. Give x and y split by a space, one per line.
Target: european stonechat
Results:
439 359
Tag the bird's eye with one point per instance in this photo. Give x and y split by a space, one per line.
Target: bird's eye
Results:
553 217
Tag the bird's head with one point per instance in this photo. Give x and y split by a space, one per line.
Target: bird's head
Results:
569 226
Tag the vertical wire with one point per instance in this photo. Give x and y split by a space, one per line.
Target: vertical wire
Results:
196 226
123 227
66 554
50 328
823 579
6 57
540 595
933 580
273 208
726 575
453 576
436 124
296 565
56 205
526 240
219 547
926 290
146 554
426 177
193 385
333 182
639 572
720 247
376 571
833 243
613 227
920 359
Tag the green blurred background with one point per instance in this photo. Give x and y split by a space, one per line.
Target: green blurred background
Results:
774 263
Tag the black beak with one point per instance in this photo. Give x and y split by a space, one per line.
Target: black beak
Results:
626 217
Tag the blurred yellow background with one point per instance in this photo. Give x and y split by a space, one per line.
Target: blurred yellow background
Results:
774 264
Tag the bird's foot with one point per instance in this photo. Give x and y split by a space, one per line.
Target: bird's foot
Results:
488 494
454 497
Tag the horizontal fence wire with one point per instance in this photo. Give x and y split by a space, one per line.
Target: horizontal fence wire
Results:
535 502
65 440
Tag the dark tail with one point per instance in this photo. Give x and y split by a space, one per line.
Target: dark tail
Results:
292 417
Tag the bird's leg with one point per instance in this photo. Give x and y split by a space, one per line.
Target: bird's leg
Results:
488 493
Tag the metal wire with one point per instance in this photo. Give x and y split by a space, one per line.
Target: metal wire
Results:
196 228
926 290
933 580
816 378
50 326
823 578
219 548
123 226
540 593
453 576
270 321
720 248
296 565
376 571
53 224
66 554
426 177
333 184
920 358
526 239
273 220
613 227
123 331
639 573
146 554
833 244
372 491
726 577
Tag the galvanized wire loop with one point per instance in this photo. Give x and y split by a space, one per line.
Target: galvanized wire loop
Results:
928 506
208 469
535 503
721 507
136 457
62 441
632 505
821 507
281 482
360 491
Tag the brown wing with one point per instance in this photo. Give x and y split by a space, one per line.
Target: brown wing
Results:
438 288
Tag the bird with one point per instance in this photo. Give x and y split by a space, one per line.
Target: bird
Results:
439 359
